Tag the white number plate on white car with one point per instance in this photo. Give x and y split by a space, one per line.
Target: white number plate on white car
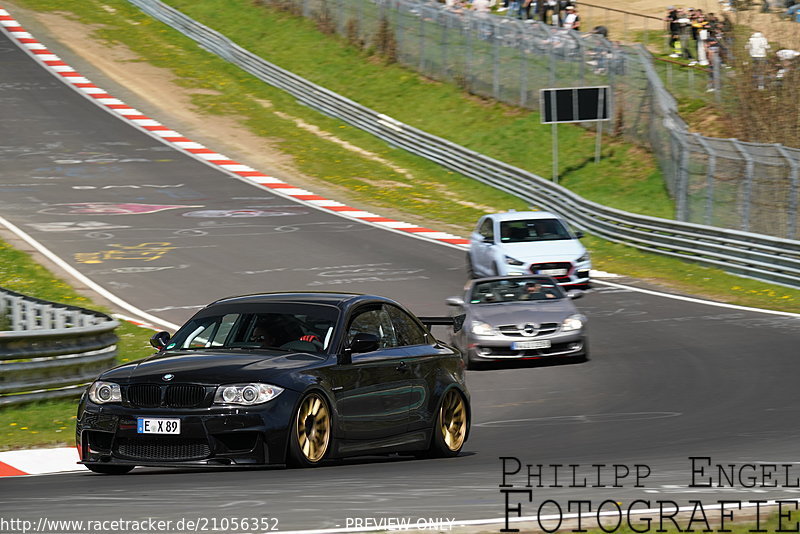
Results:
553 272
525 345
149 425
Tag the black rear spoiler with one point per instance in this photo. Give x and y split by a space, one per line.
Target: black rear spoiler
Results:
456 322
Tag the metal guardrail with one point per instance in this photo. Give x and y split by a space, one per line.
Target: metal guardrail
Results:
51 350
759 256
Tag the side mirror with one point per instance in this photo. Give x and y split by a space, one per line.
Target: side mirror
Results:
578 234
159 340
364 343
489 240
574 293
454 301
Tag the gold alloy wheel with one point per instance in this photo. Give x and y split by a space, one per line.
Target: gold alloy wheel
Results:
313 427
453 420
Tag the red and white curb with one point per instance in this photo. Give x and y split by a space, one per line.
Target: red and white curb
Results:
39 461
198 151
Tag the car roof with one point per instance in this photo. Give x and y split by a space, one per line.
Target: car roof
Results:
523 215
299 297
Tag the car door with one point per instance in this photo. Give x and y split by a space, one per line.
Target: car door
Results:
372 392
481 243
423 363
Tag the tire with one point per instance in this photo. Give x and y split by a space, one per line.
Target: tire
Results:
310 436
451 425
108 469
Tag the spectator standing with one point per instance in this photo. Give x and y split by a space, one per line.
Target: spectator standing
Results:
673 30
685 25
572 21
701 25
757 47
525 10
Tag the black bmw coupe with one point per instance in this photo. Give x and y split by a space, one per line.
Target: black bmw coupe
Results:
280 378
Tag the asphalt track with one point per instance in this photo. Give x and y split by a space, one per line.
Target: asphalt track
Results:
667 379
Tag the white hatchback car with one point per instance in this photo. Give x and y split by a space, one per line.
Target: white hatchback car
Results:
528 242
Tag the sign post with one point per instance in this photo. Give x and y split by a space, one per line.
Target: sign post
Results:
575 104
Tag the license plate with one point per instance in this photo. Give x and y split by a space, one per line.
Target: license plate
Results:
149 425
525 345
553 272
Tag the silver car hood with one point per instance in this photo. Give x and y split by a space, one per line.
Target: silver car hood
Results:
537 311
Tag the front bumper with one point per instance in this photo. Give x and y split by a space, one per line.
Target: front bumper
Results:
574 274
216 436
499 348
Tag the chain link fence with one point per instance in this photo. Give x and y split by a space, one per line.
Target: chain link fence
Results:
719 182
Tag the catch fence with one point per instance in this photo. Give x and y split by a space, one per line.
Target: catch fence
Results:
718 182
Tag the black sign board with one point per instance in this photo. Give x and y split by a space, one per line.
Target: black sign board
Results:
575 104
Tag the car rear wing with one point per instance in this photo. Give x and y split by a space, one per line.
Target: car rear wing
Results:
457 322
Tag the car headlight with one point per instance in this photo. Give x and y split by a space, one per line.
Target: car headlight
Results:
513 261
584 257
572 323
104 392
246 394
482 329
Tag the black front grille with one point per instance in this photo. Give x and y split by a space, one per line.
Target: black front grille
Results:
145 395
184 395
173 396
162 449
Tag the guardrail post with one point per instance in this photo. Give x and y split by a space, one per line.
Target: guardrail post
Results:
794 193
711 169
745 199
421 42
495 62
16 314
682 187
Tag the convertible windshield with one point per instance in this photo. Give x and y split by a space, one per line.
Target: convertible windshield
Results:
305 328
515 290
526 231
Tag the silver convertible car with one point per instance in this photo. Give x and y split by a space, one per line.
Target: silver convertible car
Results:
518 318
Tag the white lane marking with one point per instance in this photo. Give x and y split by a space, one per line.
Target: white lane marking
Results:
84 279
695 300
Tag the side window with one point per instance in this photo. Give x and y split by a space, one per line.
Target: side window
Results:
373 320
487 228
408 332
212 334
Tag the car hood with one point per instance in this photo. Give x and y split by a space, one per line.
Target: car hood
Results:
217 367
540 251
538 311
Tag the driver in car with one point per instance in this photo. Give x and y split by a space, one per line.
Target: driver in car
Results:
534 291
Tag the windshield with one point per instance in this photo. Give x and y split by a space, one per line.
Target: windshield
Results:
515 290
305 328
525 231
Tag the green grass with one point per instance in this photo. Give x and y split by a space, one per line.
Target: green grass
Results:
626 177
